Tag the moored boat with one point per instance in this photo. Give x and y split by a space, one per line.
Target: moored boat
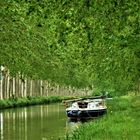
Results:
87 108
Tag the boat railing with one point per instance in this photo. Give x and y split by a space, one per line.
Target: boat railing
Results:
69 102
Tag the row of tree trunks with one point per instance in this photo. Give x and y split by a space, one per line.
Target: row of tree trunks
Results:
11 87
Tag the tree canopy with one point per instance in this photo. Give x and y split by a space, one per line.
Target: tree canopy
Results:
79 43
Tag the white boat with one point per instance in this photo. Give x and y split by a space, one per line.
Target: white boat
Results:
87 108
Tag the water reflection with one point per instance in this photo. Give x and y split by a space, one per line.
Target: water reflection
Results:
38 122
1 126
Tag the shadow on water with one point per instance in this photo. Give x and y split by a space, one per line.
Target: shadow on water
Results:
73 124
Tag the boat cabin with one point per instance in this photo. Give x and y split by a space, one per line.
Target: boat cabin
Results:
82 104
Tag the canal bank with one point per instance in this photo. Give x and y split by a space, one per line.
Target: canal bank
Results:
121 122
28 101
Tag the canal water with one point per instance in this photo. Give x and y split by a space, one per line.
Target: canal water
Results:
43 122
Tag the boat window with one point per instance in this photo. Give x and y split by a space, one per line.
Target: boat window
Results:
82 104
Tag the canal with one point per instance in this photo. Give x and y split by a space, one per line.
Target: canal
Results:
43 122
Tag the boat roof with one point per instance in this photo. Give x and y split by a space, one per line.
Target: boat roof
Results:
96 98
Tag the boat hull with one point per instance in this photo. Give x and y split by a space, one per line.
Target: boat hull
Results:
85 113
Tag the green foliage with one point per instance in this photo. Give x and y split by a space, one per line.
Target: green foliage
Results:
78 43
14 102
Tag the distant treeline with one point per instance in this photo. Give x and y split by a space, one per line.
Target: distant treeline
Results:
19 86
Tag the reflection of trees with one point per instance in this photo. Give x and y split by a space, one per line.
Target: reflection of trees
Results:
32 122
1 126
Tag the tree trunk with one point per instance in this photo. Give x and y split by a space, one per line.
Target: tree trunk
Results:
1 89
13 92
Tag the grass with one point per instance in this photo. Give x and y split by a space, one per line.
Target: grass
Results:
27 101
122 122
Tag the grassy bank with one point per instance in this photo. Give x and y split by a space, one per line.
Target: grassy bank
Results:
120 123
19 102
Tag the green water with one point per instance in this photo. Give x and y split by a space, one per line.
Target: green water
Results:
45 122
